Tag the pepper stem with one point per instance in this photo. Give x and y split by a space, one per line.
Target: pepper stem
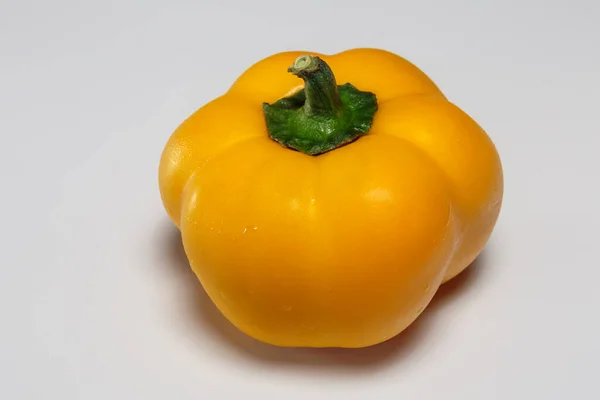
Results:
323 116
320 88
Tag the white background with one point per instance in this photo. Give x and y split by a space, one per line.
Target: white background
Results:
96 299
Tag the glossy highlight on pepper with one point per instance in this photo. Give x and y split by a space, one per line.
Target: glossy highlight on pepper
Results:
323 199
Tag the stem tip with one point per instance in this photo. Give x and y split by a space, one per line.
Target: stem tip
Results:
304 64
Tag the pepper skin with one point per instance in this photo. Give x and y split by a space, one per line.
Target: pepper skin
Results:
339 249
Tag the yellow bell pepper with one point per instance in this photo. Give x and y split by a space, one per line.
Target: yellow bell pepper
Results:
324 199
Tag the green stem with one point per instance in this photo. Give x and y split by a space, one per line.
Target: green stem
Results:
320 88
323 116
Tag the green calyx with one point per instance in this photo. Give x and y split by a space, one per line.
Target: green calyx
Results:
323 116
